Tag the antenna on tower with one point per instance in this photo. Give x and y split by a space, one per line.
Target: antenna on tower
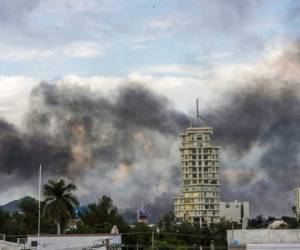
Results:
198 114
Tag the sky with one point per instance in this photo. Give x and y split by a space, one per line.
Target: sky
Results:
179 50
50 39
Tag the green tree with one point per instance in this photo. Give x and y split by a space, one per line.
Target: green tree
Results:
258 222
291 222
59 202
167 222
5 221
141 234
218 231
187 235
176 234
294 209
29 211
101 216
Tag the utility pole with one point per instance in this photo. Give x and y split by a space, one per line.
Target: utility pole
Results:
232 230
152 240
39 219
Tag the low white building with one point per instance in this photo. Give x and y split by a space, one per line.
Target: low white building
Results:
263 239
6 245
237 211
66 242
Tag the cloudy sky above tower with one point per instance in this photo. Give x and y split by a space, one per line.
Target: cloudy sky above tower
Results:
104 87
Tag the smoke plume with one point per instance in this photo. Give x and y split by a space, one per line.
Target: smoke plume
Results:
259 132
103 143
126 144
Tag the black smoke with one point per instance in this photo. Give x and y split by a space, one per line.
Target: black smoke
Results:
21 152
266 118
71 130
126 144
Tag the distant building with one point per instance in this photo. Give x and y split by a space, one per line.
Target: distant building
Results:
199 198
235 211
142 216
81 210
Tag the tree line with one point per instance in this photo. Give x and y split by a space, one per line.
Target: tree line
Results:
58 216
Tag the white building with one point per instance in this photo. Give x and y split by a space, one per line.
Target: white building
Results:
66 242
237 211
199 198
263 239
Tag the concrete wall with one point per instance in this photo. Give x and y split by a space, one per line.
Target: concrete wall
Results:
5 245
57 242
280 246
264 236
239 247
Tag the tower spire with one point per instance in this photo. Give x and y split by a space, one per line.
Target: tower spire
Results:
198 113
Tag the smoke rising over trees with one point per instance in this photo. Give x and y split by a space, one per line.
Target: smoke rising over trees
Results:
128 140
72 131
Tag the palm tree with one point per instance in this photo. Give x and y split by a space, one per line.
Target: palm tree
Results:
59 201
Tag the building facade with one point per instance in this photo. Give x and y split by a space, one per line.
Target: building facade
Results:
236 211
199 201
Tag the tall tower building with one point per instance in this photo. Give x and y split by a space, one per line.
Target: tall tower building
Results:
199 201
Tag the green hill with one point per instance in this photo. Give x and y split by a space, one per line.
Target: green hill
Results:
13 206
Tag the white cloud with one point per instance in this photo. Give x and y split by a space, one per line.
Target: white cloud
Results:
278 61
103 83
16 54
180 83
155 29
85 49
176 69
213 57
181 91
81 49
85 6
139 47
161 24
14 95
